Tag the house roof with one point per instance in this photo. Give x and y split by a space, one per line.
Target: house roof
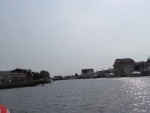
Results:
124 60
19 70
88 69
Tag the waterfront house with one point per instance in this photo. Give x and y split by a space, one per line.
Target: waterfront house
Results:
123 66
146 70
58 78
128 69
17 75
87 73
148 62
69 77
6 77
140 66
99 74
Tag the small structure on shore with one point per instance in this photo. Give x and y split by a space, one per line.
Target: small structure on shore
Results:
57 78
87 73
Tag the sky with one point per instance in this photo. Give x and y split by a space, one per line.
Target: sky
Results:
65 36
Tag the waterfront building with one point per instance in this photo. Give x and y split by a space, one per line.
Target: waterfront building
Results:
147 68
17 75
69 77
99 74
58 78
123 66
128 69
87 73
140 66
6 77
148 62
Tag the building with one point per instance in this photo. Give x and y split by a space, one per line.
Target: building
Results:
99 74
148 63
69 77
128 69
87 73
140 66
146 70
58 78
123 66
17 75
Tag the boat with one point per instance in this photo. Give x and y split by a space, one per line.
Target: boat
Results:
134 74
109 75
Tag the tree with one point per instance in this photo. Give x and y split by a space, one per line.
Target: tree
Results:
36 75
76 75
44 74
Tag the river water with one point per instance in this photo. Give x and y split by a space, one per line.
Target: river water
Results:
103 95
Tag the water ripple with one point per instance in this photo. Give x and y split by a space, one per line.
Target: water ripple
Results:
117 95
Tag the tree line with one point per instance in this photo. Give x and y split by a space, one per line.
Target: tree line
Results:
40 75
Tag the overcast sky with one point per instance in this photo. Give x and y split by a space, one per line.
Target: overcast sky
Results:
65 36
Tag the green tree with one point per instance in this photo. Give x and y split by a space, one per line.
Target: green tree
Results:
36 75
44 74
76 75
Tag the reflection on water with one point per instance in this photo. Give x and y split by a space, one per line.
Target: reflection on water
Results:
137 90
104 95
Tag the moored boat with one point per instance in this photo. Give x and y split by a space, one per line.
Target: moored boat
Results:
109 75
134 74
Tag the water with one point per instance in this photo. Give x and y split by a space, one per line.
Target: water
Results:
104 95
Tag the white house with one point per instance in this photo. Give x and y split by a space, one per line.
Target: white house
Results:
6 77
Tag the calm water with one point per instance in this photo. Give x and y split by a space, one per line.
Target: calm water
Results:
104 95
